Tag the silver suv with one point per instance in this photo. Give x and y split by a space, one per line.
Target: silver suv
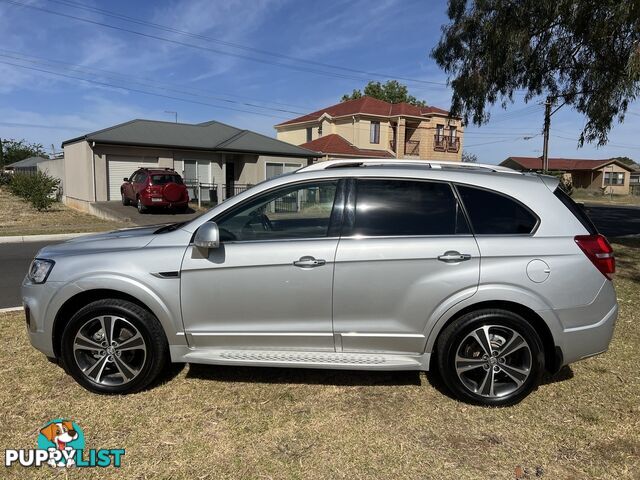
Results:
491 275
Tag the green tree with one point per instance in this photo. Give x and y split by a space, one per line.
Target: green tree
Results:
625 160
469 157
584 53
391 91
16 150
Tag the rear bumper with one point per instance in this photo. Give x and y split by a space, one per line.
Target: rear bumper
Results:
587 330
149 202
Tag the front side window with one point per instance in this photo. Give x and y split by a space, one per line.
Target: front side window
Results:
374 132
405 207
492 213
614 178
294 212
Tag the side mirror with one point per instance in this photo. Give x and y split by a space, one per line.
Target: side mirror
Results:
207 236
125 179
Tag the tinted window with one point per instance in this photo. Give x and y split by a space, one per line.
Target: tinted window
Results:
494 214
164 178
302 211
577 211
404 207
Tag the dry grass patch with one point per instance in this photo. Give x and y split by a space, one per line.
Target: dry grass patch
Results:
18 217
223 422
591 196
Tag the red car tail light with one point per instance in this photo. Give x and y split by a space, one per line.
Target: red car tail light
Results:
598 250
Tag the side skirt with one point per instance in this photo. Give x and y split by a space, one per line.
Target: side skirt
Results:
300 359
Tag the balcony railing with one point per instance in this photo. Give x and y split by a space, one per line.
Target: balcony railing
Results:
446 144
453 144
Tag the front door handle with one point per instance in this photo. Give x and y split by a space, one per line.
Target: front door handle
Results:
453 257
309 262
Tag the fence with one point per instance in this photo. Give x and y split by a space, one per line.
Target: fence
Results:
208 193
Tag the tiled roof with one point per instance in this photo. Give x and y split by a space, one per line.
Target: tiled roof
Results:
535 163
211 136
368 105
334 144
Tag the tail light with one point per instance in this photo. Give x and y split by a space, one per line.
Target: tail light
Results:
598 250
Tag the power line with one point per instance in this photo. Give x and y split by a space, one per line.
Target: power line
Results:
247 48
191 45
111 85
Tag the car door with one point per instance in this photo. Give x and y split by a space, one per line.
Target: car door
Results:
407 252
269 284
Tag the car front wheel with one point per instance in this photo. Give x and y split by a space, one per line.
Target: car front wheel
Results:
113 346
490 357
125 200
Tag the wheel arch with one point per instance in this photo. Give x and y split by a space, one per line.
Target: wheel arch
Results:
552 353
79 300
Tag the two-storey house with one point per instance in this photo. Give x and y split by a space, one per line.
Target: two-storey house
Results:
368 127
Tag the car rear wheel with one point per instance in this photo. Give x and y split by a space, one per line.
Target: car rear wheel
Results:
490 357
113 346
141 207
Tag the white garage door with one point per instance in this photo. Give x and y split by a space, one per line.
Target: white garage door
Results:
119 167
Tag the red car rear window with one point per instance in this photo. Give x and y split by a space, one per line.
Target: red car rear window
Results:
162 179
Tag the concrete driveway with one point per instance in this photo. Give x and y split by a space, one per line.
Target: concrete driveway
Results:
118 212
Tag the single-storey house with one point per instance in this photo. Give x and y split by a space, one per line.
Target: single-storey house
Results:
222 158
28 165
609 175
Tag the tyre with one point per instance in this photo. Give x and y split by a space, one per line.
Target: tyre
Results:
113 346
141 207
125 200
490 357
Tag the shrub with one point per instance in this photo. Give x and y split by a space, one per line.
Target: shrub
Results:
5 178
38 188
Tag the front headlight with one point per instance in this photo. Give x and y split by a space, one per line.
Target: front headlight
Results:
39 270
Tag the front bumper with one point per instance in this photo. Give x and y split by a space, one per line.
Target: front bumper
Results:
41 302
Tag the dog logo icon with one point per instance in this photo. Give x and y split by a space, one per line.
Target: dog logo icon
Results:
64 436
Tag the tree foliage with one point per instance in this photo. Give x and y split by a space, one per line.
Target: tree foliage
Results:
469 157
16 150
391 91
625 160
37 188
585 53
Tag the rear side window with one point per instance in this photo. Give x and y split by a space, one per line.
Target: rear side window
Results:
492 213
577 211
404 207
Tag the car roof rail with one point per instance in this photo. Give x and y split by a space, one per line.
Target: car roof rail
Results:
375 162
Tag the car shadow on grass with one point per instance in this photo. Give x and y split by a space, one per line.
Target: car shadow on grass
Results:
306 376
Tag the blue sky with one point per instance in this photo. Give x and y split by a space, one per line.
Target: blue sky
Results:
76 70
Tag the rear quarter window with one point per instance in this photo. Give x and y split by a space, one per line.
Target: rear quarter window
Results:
577 211
492 213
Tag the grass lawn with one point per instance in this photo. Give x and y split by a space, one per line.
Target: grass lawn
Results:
221 422
587 196
18 217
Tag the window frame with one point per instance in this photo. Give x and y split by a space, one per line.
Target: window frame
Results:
611 174
508 197
282 164
336 219
374 132
350 209
309 132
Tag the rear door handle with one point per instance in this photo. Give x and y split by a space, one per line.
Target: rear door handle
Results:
453 257
309 262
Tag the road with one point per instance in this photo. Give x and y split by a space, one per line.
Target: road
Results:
612 221
14 262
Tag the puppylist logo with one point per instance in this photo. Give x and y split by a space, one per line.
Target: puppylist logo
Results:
61 443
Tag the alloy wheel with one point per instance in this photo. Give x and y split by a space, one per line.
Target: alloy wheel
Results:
109 350
493 361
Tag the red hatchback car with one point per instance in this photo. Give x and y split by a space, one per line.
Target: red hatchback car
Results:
155 187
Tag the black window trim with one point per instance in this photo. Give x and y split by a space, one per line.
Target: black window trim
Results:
509 197
350 210
337 212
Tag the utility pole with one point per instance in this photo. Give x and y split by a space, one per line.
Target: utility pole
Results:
547 125
174 113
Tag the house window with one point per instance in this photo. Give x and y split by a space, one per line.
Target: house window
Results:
320 130
614 178
309 134
635 178
374 132
273 169
439 132
453 131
